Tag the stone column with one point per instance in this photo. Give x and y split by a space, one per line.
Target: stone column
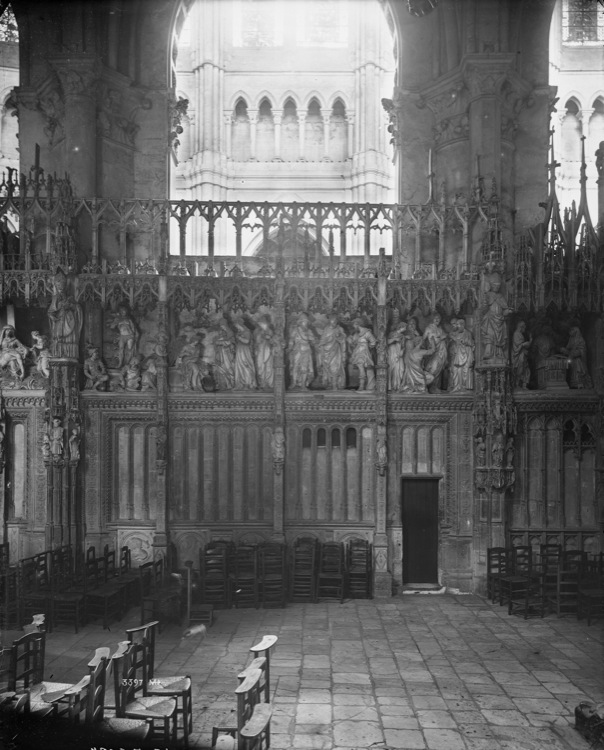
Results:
301 132
161 536
325 114
277 118
279 445
228 125
253 115
382 570
79 75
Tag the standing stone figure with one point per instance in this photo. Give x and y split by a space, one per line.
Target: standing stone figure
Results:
300 347
461 357
278 448
332 354
42 354
436 338
74 445
245 372
520 365
364 342
493 324
576 350
396 365
56 437
65 316
264 342
127 336
95 370
415 378
224 357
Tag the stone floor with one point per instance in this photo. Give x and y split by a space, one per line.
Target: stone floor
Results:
439 672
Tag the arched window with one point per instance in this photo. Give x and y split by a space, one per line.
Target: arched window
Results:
265 132
338 132
314 139
290 134
241 132
582 22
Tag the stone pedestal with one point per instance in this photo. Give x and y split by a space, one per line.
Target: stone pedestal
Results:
551 374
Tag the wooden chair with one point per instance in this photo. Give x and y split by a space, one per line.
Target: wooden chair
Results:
35 587
253 715
132 703
359 569
177 687
245 576
10 599
214 566
273 574
160 595
498 564
331 578
263 650
26 673
129 576
514 584
590 594
87 708
66 605
564 599
303 570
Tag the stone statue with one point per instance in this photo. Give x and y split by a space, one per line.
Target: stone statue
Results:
521 372
363 343
65 316
415 378
191 365
300 347
56 437
436 338
576 350
497 452
264 342
12 353
224 359
149 373
493 326
46 445
126 339
278 448
509 453
95 370
332 355
381 451
461 357
74 445
132 373
42 354
481 451
245 371
396 348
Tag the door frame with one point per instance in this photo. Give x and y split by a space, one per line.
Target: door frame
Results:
439 510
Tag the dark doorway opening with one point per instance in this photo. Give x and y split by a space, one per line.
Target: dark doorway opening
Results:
420 530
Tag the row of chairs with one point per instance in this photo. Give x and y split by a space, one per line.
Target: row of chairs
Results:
68 588
142 705
271 574
557 580
254 709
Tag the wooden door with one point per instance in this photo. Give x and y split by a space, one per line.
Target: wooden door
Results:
420 530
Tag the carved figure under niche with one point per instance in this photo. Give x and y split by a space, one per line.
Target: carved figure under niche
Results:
493 326
194 371
245 370
332 355
12 353
264 343
481 451
396 348
509 453
126 340
65 317
497 451
415 378
461 357
224 357
363 342
95 371
521 372
436 339
300 348
149 373
74 445
56 434
132 373
46 445
576 350
41 353
278 448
